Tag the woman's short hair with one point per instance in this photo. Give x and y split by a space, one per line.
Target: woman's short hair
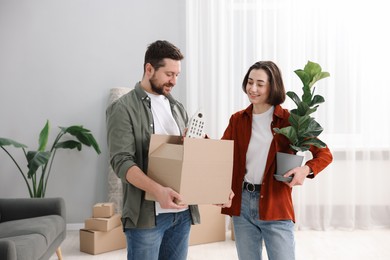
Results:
277 93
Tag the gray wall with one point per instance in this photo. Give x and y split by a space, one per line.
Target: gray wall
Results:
58 61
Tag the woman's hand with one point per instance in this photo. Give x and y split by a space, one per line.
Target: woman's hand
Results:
299 175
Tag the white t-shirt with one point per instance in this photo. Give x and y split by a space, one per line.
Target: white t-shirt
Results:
261 138
164 124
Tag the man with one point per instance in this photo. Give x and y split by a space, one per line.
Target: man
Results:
154 230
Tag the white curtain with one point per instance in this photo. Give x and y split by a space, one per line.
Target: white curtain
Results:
350 40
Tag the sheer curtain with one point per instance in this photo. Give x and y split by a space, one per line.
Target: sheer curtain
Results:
350 41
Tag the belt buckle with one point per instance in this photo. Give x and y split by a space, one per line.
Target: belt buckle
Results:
250 187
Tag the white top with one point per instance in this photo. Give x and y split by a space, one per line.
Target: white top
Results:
163 120
261 138
164 124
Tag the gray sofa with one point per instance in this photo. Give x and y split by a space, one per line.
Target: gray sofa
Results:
31 228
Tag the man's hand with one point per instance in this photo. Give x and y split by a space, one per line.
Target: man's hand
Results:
164 195
169 199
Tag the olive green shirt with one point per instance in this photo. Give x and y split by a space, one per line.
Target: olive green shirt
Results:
129 128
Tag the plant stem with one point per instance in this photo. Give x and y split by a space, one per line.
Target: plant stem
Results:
43 181
20 170
48 172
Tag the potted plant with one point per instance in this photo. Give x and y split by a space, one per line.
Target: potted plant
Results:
42 159
304 130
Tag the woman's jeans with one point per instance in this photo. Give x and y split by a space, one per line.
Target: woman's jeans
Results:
168 240
250 232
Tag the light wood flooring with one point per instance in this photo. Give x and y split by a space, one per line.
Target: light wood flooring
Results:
310 245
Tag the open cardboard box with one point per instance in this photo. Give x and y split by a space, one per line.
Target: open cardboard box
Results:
199 169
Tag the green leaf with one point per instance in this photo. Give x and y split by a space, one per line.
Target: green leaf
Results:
302 126
70 144
315 142
44 137
315 73
94 143
313 129
311 73
6 142
303 109
311 110
317 99
83 135
318 77
74 129
312 68
300 147
304 76
293 119
288 132
294 97
35 160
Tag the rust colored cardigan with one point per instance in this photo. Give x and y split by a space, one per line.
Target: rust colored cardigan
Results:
275 197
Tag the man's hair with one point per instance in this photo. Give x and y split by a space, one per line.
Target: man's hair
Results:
277 93
160 50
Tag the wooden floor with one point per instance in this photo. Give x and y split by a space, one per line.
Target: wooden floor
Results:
310 245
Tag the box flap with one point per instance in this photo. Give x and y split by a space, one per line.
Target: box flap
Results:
170 151
165 161
157 140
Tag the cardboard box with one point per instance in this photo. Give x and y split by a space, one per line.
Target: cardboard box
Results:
212 227
103 224
97 242
103 210
199 169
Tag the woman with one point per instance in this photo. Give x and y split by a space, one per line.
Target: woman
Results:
262 207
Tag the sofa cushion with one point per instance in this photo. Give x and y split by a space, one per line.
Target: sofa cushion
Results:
32 236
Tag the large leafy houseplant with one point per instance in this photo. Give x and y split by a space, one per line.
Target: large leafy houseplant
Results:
40 162
304 130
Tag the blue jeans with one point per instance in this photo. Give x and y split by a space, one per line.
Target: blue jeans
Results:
250 232
167 240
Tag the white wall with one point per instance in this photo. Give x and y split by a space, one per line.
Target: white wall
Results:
58 61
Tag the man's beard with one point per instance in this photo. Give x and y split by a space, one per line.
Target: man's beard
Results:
159 89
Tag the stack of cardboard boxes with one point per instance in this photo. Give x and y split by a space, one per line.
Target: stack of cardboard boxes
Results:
102 232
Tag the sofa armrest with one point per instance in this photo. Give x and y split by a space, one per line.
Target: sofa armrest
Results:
21 208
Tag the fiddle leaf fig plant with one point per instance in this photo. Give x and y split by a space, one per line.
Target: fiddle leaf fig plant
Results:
304 129
40 162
